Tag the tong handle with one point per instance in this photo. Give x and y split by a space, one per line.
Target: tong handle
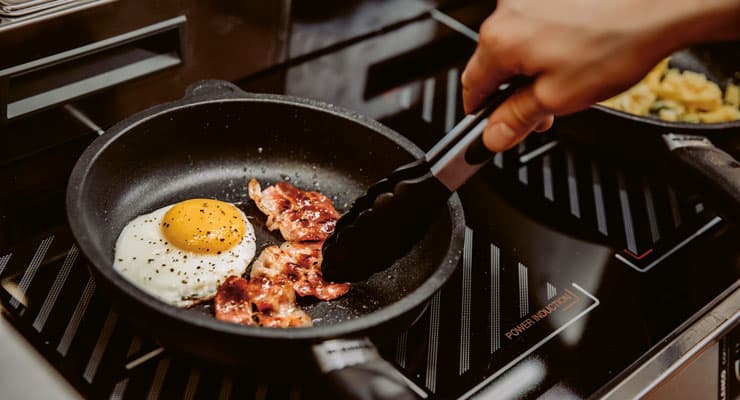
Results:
461 153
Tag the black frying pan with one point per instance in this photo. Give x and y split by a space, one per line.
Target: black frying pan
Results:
700 154
208 145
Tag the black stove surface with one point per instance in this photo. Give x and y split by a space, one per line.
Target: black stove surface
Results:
575 269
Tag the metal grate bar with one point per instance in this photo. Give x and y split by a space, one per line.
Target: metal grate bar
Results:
523 291
624 202
191 387
119 389
401 345
433 340
144 358
404 97
454 24
134 347
56 288
4 262
77 315
452 83
547 186
650 209
523 172
159 374
467 293
599 199
100 346
428 100
30 272
498 160
575 207
495 298
525 158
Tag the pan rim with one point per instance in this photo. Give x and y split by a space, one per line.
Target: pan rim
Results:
103 266
713 128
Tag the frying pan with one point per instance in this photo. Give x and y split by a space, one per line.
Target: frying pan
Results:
209 144
694 152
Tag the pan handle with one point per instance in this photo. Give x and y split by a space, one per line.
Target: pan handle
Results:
716 172
213 89
358 372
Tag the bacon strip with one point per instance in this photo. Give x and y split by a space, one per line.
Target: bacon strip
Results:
299 263
231 302
259 301
299 215
268 298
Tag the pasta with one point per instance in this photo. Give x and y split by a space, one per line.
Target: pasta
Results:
672 95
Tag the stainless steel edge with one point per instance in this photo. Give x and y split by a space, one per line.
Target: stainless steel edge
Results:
92 84
453 169
30 7
7 23
94 47
681 350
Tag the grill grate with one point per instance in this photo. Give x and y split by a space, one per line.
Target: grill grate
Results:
74 327
66 319
635 212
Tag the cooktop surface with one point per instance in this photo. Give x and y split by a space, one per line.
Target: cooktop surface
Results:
575 268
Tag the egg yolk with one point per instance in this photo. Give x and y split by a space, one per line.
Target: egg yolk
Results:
203 226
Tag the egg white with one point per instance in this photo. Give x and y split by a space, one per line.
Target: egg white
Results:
176 276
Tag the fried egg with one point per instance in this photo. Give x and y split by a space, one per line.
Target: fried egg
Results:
180 253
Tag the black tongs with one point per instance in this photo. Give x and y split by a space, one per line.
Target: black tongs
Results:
395 213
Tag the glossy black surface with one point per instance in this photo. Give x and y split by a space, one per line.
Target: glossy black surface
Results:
567 225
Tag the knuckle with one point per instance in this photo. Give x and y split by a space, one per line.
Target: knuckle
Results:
487 26
494 36
548 99
526 110
519 115
489 36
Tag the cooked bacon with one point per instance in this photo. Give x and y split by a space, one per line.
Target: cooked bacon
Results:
299 215
268 298
299 263
232 301
259 301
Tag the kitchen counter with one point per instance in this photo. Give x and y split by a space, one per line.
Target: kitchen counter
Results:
24 374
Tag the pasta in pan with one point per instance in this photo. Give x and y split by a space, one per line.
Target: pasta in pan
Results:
673 95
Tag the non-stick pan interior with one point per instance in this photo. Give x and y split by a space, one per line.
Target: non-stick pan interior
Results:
212 149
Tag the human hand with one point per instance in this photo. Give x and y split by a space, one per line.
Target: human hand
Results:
578 52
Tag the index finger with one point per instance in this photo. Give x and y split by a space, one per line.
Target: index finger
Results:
485 71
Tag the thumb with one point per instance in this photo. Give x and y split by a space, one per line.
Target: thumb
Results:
513 120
